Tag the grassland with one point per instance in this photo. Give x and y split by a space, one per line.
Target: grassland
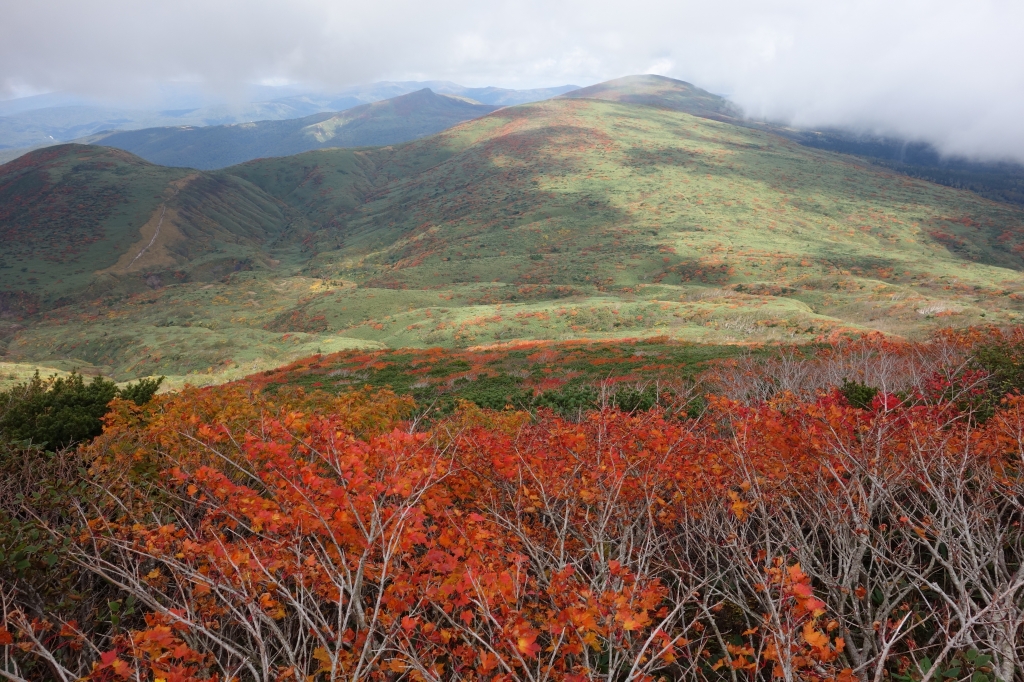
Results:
571 220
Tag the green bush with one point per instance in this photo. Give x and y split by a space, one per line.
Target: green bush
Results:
696 407
857 394
630 399
142 391
59 412
570 401
495 393
1004 363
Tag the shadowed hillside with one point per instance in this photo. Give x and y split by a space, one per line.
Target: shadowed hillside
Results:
391 121
75 219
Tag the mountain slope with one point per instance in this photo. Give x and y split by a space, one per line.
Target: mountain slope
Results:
1000 181
77 219
391 121
570 218
577 198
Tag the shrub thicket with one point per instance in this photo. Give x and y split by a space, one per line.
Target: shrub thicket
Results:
820 530
59 412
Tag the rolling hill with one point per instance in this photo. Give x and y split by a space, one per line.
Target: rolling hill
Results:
391 121
572 218
661 92
74 217
84 228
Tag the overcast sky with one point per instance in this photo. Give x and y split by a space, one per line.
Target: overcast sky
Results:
947 71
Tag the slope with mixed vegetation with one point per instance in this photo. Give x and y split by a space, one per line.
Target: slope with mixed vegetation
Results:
565 219
997 180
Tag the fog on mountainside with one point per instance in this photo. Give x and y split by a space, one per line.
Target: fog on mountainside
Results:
999 181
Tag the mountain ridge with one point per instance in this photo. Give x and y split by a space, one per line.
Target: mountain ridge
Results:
662 92
572 218
43 120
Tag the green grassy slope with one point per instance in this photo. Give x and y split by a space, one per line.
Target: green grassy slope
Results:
391 121
565 219
1000 181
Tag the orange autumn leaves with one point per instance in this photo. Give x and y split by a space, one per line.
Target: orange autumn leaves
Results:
308 537
433 554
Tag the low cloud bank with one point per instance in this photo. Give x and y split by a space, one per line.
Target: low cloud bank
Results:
945 71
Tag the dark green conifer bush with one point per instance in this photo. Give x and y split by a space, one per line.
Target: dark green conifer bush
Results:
59 412
857 394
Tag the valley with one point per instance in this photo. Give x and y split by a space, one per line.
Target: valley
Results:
569 219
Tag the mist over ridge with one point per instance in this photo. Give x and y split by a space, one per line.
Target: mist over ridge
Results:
946 72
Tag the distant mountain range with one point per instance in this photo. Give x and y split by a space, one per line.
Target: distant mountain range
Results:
32 122
171 134
390 121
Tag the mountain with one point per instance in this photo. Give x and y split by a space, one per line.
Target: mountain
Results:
500 96
374 92
76 219
997 180
390 121
42 120
568 218
661 92
53 125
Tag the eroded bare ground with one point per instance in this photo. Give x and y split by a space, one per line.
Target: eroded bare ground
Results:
152 250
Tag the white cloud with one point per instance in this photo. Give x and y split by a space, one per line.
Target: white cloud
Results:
949 71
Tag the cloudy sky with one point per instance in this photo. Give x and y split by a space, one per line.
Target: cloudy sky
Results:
947 71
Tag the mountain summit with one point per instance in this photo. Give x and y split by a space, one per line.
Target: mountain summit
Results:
659 91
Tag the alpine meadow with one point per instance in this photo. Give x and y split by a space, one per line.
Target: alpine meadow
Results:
621 384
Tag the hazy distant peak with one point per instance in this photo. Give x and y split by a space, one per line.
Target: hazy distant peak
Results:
659 91
406 117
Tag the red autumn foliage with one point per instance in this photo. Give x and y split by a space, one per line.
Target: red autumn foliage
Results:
307 537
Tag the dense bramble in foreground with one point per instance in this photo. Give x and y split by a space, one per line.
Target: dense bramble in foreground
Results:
230 534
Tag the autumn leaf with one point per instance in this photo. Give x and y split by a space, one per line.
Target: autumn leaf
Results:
527 645
738 506
324 657
813 636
